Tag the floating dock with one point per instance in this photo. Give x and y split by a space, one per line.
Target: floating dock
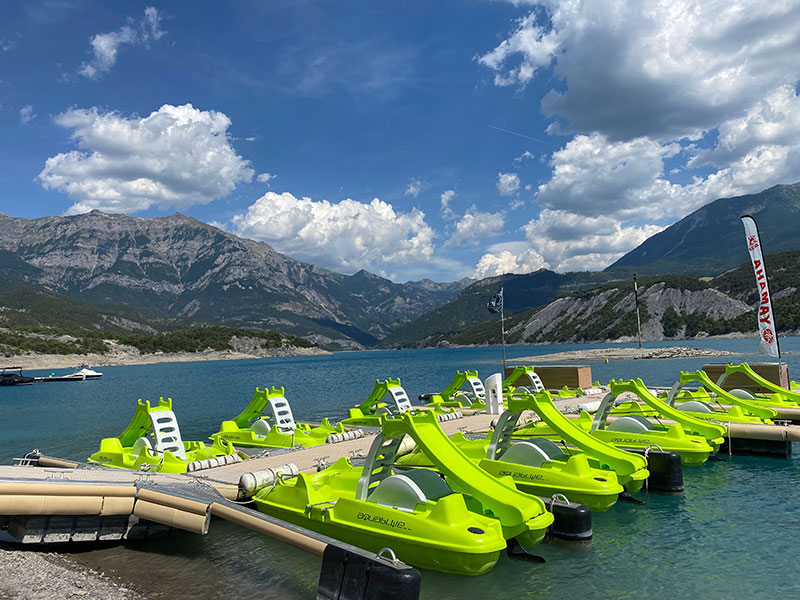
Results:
48 500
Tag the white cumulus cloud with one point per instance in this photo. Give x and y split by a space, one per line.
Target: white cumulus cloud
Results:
661 69
476 226
507 183
176 157
513 257
668 105
571 242
772 122
346 236
105 46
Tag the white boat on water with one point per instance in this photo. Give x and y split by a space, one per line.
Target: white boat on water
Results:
87 372
82 373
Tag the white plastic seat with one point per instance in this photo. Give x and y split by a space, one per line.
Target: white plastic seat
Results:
432 484
549 447
140 445
696 406
525 453
629 424
260 427
398 491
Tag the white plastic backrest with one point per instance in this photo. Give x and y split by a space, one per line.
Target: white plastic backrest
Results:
432 484
525 453
494 394
282 413
260 427
477 387
400 398
140 445
628 425
535 382
398 491
548 447
167 433
696 406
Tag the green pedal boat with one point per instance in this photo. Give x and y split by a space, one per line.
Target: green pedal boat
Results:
624 425
714 433
370 412
456 396
537 466
152 442
526 377
278 429
459 524
785 402
631 469
713 403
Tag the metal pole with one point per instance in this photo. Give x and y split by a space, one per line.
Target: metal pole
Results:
638 320
503 336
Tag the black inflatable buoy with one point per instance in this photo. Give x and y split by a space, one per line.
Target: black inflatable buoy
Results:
666 472
573 522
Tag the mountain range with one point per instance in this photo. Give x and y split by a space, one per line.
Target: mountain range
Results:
102 271
706 243
178 267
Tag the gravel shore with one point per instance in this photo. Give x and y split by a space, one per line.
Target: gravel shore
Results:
126 355
625 354
40 575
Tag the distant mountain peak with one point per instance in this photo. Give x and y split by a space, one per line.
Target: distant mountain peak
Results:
711 240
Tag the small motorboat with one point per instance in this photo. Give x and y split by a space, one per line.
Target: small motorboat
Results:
87 372
82 373
14 376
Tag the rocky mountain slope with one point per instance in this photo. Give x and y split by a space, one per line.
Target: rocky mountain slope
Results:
670 307
711 239
468 309
179 267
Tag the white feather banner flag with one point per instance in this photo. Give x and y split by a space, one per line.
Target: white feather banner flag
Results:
768 333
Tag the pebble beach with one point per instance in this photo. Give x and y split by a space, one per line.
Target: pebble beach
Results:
42 575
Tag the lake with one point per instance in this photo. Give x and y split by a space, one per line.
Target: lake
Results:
734 532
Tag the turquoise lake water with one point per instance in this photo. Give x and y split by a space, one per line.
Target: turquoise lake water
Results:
733 534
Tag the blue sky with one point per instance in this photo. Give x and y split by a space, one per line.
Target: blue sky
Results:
415 139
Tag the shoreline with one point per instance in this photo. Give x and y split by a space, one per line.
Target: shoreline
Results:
129 356
608 354
36 574
124 356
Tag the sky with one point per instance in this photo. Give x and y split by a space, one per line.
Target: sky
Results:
414 139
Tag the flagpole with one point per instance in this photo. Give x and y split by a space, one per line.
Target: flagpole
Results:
503 333
638 320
